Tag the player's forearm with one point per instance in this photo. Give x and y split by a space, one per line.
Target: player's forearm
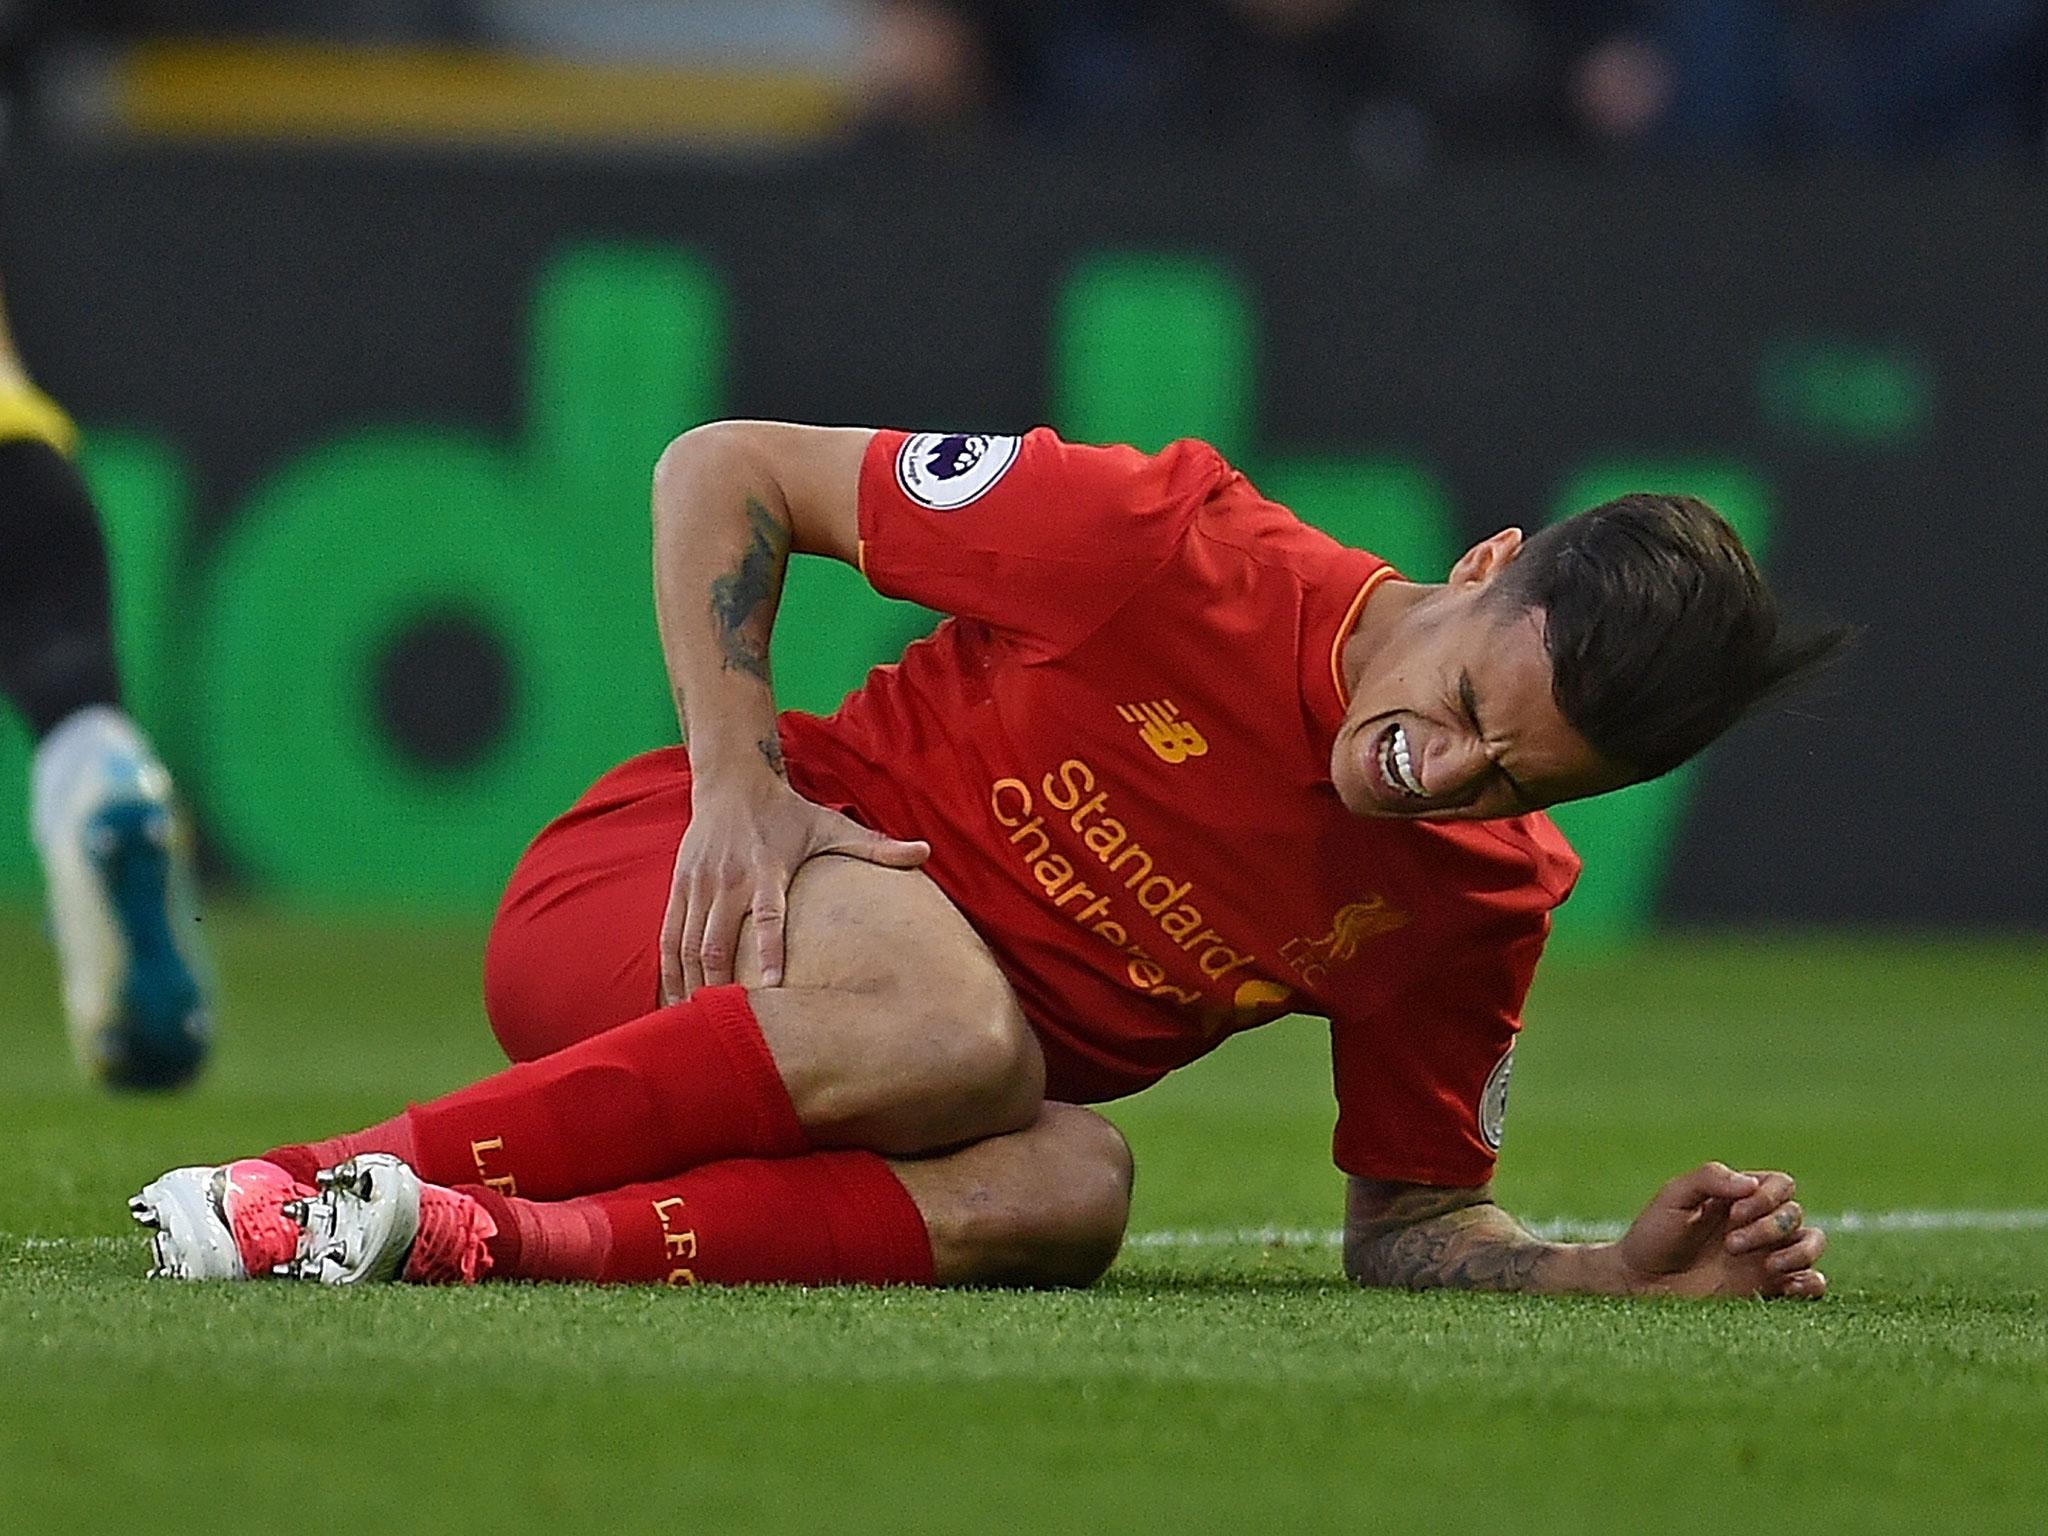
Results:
1476 1248
721 547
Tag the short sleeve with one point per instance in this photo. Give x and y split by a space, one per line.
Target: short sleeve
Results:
1037 537
1422 1082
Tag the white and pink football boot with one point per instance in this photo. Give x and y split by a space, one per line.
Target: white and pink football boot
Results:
223 1223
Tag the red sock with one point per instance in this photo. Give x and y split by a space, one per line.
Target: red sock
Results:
675 1089
832 1218
303 1161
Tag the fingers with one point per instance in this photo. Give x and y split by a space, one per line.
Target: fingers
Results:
1709 1181
1717 1231
672 988
1802 1285
674 922
720 944
1767 1220
1802 1251
1767 1232
700 939
701 932
697 911
1772 1191
891 853
1770 1223
768 914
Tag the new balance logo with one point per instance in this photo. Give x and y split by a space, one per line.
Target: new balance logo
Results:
1160 727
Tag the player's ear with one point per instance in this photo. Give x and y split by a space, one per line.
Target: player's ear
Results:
1486 559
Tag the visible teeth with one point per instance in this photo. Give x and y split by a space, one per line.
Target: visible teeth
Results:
1400 767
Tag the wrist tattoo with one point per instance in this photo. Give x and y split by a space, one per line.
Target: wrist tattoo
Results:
743 600
771 749
1478 1248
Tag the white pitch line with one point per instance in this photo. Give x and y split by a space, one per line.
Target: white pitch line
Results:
1564 1227
37 1244
2021 1220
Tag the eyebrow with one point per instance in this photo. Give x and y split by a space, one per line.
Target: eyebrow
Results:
1470 703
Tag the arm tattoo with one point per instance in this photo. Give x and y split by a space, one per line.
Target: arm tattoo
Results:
1478 1248
1420 1237
743 600
771 749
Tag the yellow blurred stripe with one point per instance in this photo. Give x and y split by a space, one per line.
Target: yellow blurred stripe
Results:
203 90
26 412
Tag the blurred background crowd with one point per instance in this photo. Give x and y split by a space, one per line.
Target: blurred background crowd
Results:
1399 82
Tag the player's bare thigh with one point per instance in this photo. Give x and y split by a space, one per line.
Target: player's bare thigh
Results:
893 1029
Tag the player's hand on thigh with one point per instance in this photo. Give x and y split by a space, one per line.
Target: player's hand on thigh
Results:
735 864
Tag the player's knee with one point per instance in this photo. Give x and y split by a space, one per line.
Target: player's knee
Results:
1086 1197
986 1057
1003 1073
1039 1207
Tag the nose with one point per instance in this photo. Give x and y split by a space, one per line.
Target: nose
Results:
1451 766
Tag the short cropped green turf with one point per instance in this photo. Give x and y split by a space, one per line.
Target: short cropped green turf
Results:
1212 1383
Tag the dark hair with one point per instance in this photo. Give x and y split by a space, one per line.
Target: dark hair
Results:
1661 632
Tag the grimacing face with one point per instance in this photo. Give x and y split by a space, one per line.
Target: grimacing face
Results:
1451 715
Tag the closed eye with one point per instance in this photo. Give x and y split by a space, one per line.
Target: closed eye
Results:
1469 702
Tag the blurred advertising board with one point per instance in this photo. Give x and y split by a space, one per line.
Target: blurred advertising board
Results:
374 429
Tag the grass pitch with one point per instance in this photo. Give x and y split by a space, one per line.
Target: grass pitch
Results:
1212 1382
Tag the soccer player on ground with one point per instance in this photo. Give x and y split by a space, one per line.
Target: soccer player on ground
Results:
114 849
819 1001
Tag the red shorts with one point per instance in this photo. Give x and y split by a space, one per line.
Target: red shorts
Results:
575 948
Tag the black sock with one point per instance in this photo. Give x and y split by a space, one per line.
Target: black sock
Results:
56 620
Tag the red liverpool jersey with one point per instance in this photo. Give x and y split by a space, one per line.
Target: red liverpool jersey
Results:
1119 750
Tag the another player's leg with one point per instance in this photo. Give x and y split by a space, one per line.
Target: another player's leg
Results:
1041 1206
114 849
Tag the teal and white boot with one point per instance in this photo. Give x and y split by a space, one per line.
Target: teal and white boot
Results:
117 859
